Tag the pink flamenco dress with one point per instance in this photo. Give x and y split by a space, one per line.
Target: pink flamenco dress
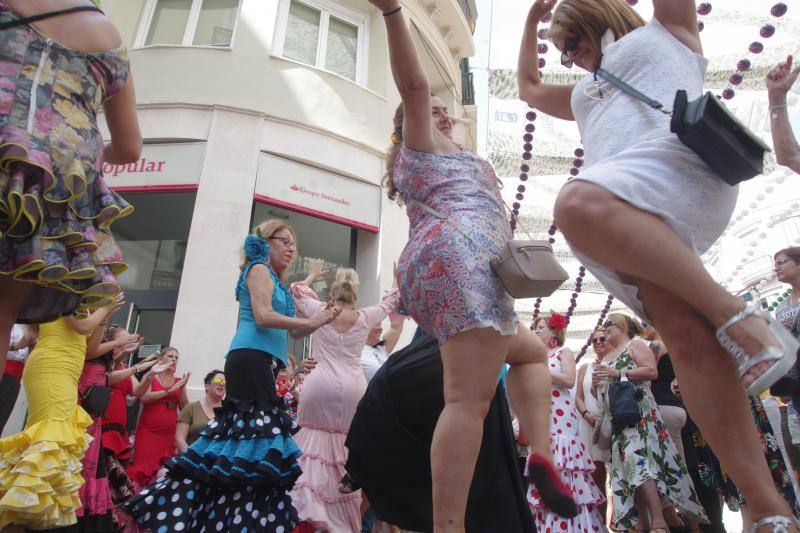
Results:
574 464
55 207
328 403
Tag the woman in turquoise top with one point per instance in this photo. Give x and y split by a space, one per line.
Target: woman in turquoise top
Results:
236 476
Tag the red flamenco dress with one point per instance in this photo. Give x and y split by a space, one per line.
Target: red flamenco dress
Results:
155 437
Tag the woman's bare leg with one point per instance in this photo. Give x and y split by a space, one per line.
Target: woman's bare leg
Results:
651 502
472 361
528 383
14 294
714 397
641 245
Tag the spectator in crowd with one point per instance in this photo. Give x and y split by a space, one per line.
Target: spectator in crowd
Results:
196 415
779 80
154 440
644 459
23 339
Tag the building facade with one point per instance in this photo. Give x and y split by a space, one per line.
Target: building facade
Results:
254 109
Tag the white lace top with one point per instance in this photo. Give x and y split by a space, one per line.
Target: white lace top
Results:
631 152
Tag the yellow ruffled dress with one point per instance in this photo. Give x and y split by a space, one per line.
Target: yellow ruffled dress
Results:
40 468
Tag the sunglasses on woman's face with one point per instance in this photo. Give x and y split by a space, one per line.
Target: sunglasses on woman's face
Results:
598 340
608 324
570 45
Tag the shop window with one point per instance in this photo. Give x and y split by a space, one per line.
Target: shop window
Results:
316 238
191 22
325 35
153 242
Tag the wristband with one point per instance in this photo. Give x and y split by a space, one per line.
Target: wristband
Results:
393 11
773 109
583 413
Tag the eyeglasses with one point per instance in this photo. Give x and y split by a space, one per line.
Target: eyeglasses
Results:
570 45
598 340
286 242
780 262
219 381
609 323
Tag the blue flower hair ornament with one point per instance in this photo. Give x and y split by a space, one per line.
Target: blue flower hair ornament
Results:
256 248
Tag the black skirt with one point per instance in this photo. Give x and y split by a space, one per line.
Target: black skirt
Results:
389 449
237 474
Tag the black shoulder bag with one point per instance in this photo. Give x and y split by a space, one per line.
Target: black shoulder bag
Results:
706 126
33 18
623 401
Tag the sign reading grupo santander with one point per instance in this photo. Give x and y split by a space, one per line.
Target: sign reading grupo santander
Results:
159 165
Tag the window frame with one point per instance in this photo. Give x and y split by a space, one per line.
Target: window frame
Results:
327 9
190 30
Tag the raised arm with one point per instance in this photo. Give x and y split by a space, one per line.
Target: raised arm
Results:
779 80
680 18
549 98
375 314
410 79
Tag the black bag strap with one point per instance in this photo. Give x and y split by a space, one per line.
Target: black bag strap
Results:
627 89
34 18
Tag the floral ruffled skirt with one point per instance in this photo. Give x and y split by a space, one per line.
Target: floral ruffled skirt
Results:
54 229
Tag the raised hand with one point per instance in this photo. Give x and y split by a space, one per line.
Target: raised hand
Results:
144 365
317 269
543 6
781 78
181 382
160 367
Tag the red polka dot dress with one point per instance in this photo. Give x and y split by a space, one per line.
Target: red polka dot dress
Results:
574 464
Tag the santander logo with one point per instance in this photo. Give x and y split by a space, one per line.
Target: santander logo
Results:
321 195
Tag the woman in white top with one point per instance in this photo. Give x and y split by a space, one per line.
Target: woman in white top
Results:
645 207
586 402
376 350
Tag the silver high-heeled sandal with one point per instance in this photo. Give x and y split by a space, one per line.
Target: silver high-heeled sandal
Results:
780 524
784 356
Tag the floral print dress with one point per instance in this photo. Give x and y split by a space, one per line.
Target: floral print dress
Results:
55 208
643 452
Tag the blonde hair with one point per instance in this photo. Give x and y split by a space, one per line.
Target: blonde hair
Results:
268 228
345 287
166 349
391 156
589 19
631 326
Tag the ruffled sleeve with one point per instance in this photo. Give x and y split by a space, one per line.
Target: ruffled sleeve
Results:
306 300
375 314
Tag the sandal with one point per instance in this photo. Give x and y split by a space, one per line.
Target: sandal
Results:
783 357
554 494
348 485
780 524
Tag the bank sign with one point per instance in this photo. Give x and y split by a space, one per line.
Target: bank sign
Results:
286 183
159 166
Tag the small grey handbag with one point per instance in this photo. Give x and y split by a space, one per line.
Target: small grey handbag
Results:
527 268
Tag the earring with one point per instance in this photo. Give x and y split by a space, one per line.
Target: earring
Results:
552 343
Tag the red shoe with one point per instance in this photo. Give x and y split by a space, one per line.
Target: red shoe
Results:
554 494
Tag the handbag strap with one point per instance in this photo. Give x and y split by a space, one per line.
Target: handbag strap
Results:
41 16
441 216
627 89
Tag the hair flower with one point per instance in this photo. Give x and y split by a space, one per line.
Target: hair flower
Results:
557 321
256 248
394 138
